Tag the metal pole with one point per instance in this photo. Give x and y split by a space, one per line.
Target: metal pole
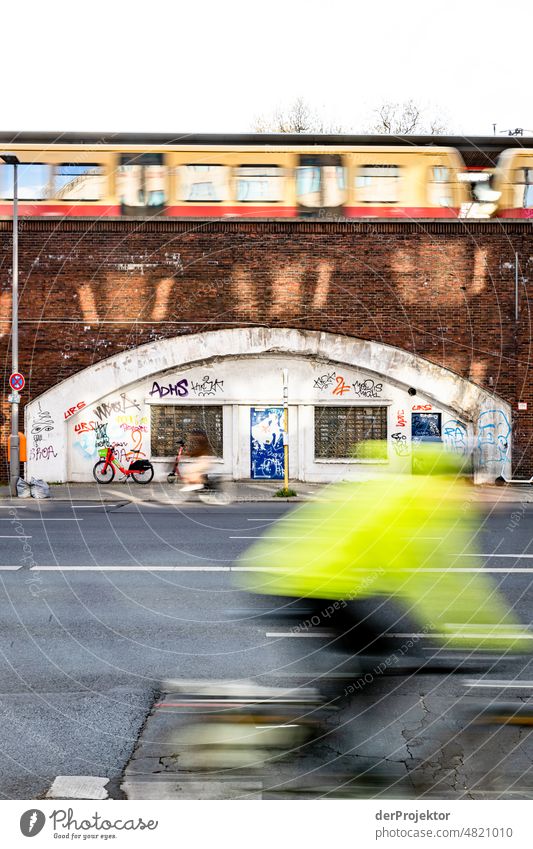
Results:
516 286
14 463
286 428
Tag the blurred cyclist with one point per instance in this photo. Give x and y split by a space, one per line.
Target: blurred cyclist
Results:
399 538
195 472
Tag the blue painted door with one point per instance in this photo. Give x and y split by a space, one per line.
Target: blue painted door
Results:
266 443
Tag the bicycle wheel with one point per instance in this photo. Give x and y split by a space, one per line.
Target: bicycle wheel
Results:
102 476
143 475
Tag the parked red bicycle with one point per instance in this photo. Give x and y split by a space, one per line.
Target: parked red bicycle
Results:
141 470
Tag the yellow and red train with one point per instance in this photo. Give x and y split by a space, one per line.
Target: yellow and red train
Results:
265 177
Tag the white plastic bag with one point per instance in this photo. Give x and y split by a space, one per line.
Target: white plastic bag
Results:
23 488
39 488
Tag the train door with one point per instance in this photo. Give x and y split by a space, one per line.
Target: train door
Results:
141 184
320 184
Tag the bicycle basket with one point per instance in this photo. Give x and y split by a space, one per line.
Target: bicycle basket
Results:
139 466
102 452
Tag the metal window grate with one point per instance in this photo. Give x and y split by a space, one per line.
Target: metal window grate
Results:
170 422
339 431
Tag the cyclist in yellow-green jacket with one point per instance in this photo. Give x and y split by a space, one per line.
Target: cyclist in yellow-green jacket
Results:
404 538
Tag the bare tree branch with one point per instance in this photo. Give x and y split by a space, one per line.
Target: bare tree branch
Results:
298 117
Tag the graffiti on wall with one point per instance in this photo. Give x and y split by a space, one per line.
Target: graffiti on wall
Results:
201 388
324 381
494 431
266 443
455 436
367 388
41 430
338 385
72 410
400 418
400 444
118 421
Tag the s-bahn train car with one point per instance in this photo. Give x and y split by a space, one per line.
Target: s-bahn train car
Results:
260 180
513 180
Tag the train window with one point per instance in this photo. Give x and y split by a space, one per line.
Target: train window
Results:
204 183
378 183
141 183
524 187
33 181
78 182
259 183
440 187
320 182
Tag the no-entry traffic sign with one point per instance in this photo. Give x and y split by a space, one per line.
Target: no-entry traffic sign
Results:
17 381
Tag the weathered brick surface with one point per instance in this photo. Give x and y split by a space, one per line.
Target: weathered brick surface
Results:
443 290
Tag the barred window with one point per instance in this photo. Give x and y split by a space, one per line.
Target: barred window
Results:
171 422
339 431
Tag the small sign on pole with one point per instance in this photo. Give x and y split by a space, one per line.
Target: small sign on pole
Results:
17 381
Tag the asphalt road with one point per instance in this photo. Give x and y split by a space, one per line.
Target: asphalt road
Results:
110 600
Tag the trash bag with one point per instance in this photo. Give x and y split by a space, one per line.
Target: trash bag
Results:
23 488
39 488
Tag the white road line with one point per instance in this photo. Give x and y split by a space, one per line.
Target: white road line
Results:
323 635
518 635
15 536
41 519
147 569
508 685
13 506
9 568
514 556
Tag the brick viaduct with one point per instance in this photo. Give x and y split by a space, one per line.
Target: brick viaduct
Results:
446 291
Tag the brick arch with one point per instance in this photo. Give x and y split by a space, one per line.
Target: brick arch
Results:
460 396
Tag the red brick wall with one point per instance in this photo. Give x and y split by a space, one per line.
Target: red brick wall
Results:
443 290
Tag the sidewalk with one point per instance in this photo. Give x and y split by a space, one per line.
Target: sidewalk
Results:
243 491
164 493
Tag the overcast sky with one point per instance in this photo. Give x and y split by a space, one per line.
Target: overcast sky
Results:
203 66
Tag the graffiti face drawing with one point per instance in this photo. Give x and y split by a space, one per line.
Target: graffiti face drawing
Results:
494 431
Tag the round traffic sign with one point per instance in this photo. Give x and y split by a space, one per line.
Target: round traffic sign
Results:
16 381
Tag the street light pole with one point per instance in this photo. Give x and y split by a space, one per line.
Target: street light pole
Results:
14 446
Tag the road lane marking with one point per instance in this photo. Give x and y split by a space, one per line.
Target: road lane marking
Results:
15 536
148 569
9 568
41 519
508 685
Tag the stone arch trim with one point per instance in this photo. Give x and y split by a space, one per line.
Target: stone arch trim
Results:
115 373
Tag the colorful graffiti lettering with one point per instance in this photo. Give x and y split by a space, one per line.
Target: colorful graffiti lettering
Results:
367 388
421 407
71 410
134 427
324 381
341 386
207 386
494 431
180 389
400 418
84 427
455 436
